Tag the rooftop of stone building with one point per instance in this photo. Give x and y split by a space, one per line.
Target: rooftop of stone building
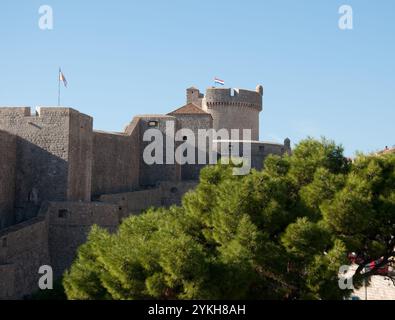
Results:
189 109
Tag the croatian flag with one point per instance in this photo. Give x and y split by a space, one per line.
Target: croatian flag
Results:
62 78
219 81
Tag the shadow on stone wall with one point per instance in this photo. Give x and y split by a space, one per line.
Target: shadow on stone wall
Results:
40 176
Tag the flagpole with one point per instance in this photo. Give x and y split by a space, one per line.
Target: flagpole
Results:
59 87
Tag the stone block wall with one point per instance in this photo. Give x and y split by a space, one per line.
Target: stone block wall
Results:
236 117
69 226
234 109
172 193
115 163
7 178
53 149
42 153
7 282
194 122
23 250
165 195
151 175
135 202
259 150
80 157
194 96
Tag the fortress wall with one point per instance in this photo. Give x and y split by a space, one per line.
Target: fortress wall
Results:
150 175
235 117
23 250
69 226
167 194
194 122
80 157
259 151
7 282
270 148
14 113
70 222
7 178
42 171
115 163
172 193
134 202
54 237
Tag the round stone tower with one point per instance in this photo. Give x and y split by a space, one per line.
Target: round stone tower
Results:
234 109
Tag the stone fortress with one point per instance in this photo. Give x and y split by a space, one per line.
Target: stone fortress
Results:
58 176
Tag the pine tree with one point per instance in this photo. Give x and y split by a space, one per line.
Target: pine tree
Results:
280 233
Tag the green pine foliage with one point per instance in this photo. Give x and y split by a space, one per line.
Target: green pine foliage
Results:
280 233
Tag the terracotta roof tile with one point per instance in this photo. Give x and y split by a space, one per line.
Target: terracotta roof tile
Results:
189 109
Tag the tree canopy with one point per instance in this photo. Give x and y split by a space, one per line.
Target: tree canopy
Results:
279 233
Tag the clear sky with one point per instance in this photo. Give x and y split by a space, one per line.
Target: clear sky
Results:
127 57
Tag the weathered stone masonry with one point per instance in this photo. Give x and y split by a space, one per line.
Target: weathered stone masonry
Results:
58 176
7 178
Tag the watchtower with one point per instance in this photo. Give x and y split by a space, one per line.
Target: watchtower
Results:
235 109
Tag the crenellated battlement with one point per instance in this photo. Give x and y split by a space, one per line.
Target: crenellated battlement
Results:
234 108
234 97
15 111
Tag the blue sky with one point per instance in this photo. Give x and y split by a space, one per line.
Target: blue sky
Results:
126 57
